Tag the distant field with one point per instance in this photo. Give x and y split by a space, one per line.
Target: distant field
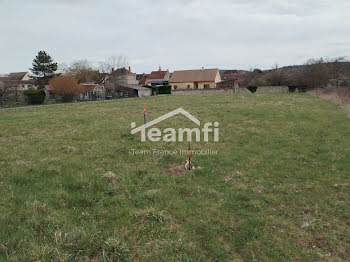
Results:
278 190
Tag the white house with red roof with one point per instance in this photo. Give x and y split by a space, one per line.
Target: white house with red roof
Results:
92 91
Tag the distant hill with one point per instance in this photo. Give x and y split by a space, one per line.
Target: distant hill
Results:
223 70
338 69
265 70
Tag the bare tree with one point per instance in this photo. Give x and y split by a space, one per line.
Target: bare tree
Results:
62 68
316 73
254 78
83 71
337 66
4 89
112 63
275 77
109 72
313 74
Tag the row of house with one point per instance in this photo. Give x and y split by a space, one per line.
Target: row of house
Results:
129 84
19 81
192 79
154 78
138 85
15 84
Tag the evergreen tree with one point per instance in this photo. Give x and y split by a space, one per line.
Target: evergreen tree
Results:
44 69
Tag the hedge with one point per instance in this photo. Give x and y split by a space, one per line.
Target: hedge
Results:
35 97
162 90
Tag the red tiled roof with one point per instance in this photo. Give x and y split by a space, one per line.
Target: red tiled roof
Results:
233 75
229 75
49 89
227 83
157 74
88 86
143 80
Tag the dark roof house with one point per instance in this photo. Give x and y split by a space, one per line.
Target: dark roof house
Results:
133 90
18 76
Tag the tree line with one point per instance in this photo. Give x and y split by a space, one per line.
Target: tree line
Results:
64 80
315 73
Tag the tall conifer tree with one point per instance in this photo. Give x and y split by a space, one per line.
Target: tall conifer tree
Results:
44 69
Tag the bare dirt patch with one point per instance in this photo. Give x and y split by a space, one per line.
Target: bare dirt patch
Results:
111 177
259 190
68 149
174 169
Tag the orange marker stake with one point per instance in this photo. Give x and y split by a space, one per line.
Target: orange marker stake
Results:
189 150
144 116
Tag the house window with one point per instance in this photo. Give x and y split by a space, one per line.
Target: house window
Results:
188 86
175 87
206 86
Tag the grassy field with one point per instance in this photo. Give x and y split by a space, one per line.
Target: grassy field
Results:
278 189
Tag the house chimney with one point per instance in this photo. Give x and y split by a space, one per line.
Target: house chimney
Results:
129 70
112 69
160 69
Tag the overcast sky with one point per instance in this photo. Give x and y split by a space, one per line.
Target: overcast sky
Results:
176 34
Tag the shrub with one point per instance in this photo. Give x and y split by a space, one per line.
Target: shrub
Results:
66 86
155 89
339 96
166 89
35 97
161 90
67 98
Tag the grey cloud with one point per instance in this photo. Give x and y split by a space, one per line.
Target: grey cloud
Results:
176 34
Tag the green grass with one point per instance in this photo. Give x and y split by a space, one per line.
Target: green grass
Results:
278 190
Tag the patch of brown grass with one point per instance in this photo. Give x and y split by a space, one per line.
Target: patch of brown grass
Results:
111 177
338 96
174 169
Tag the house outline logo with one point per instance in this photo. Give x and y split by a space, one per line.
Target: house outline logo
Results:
164 117
156 132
